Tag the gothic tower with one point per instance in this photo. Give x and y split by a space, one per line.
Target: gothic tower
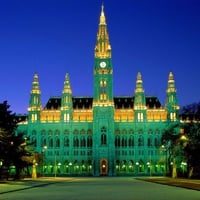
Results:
140 100
172 101
103 105
66 101
35 101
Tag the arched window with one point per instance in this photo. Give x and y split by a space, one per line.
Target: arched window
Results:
124 141
103 136
149 142
140 141
43 142
117 141
76 142
131 141
57 142
50 142
83 142
89 141
156 142
66 142
34 141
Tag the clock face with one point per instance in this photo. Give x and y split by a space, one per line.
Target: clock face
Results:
102 64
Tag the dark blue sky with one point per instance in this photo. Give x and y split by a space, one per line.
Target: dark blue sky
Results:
55 37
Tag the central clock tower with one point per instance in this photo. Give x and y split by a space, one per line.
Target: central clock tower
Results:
103 105
103 84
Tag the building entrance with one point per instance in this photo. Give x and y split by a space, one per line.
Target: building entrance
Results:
104 167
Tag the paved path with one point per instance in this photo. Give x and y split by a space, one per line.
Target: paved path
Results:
193 184
98 188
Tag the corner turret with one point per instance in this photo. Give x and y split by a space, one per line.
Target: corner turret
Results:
172 101
35 105
66 101
140 100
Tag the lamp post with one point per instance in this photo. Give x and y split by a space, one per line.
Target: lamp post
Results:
55 166
43 156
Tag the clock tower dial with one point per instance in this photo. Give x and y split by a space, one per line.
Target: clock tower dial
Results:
103 64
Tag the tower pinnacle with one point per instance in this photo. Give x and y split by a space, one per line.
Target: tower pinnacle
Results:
103 47
102 16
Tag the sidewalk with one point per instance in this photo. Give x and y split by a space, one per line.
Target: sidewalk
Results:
10 186
193 184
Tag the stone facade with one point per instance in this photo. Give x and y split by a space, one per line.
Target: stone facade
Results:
101 135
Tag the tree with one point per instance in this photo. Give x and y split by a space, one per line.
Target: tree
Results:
171 140
13 147
191 116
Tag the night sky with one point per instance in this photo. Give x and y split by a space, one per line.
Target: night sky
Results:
55 37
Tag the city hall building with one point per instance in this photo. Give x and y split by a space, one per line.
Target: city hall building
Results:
104 134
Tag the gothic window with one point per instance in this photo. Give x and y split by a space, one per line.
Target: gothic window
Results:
89 141
149 142
34 141
76 142
150 131
34 132
83 142
82 131
89 131
156 142
43 132
140 141
124 141
66 132
57 132
103 136
66 142
117 131
75 131
117 141
50 132
43 142
131 141
103 90
140 117
50 142
57 142
131 131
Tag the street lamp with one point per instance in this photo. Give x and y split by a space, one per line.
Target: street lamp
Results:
55 166
43 155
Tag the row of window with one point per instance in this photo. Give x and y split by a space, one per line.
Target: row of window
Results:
123 141
89 131
89 153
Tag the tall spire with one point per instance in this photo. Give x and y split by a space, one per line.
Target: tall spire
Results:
35 101
172 101
171 83
102 17
67 87
66 101
35 85
102 48
139 83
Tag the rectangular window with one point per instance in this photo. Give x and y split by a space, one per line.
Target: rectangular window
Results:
140 117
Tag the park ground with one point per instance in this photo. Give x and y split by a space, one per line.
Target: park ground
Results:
10 186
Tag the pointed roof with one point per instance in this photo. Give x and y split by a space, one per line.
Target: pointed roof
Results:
103 47
139 83
171 83
35 85
67 87
102 16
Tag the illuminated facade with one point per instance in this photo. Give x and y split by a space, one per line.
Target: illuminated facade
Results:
104 134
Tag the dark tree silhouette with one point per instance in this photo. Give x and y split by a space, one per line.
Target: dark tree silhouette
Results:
191 115
13 147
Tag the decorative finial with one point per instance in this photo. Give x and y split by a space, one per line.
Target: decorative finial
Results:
102 17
